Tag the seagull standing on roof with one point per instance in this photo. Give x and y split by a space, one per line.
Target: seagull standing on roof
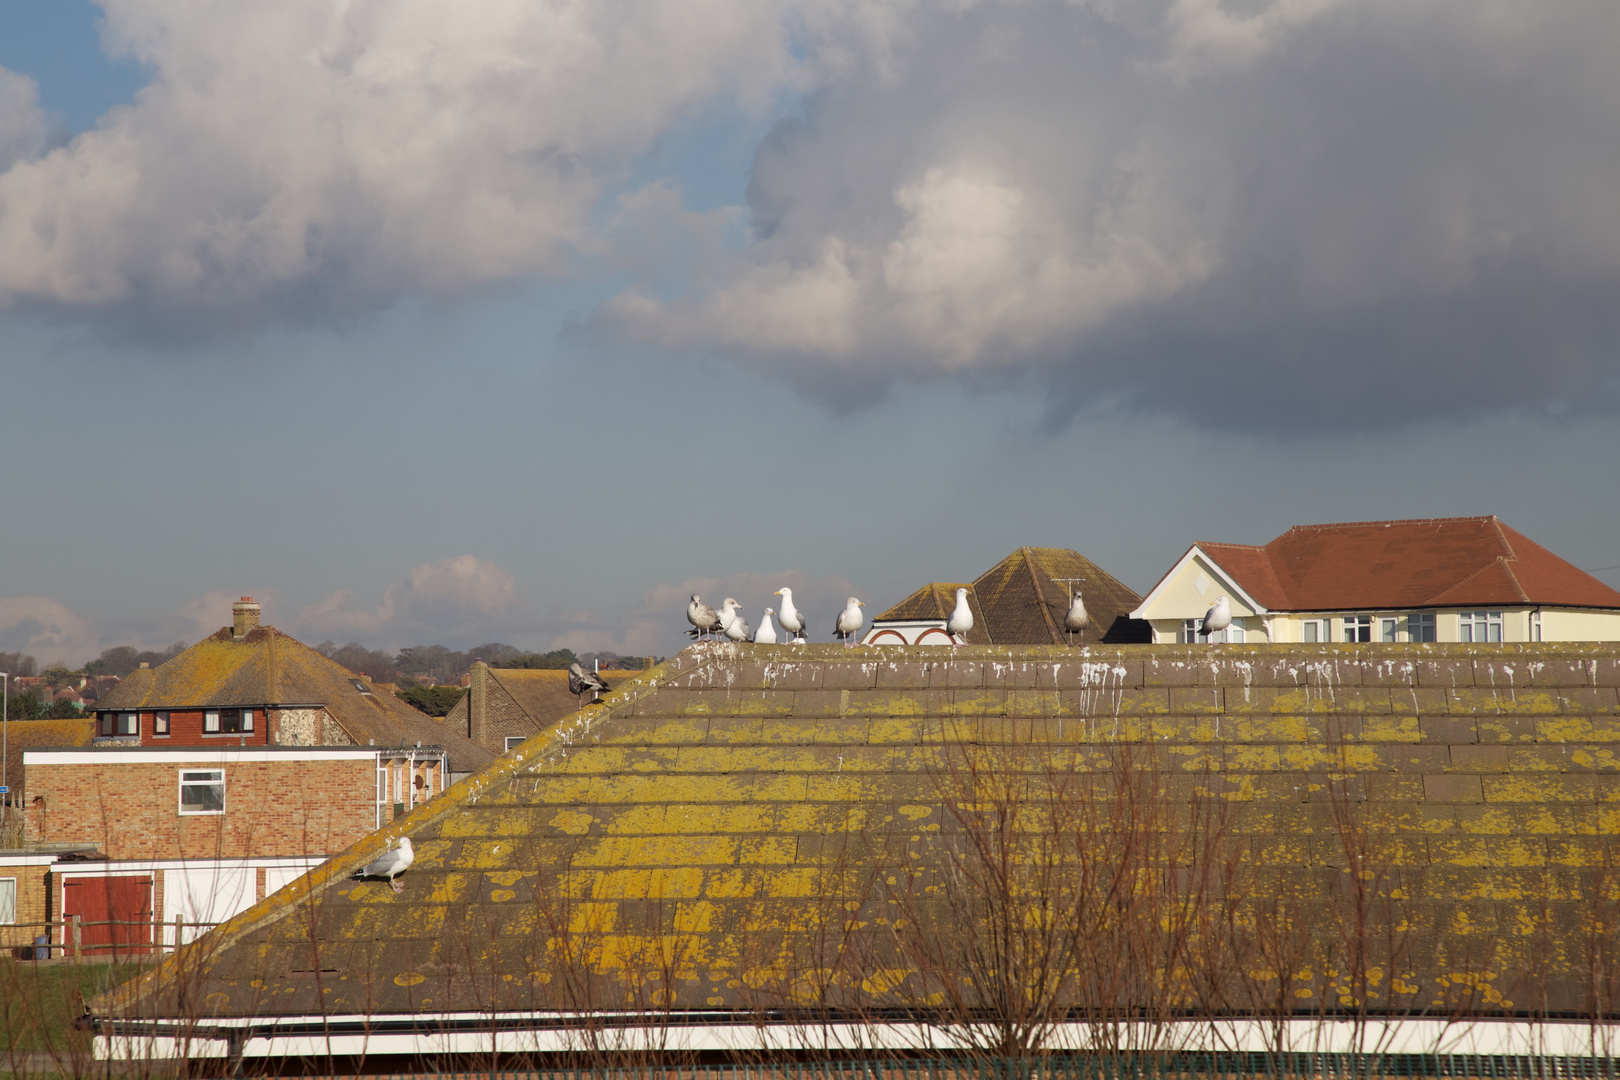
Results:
738 629
580 681
703 618
727 615
767 632
390 864
791 618
849 621
1075 620
961 620
1217 618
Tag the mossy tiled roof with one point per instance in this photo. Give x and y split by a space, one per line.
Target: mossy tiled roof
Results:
267 667
1022 600
25 735
703 814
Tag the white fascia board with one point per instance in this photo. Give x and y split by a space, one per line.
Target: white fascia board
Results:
9 861
1226 579
531 1033
200 755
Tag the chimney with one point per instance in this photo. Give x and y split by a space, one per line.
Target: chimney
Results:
244 617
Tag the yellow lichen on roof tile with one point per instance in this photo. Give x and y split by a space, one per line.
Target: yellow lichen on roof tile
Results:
667 822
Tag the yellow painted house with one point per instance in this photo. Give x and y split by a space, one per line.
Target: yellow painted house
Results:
1471 580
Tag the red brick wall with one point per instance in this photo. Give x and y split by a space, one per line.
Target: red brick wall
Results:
131 810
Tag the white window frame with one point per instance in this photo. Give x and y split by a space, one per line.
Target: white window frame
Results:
1189 631
1389 629
8 918
515 740
1351 625
198 781
1320 631
1424 620
1471 623
1535 625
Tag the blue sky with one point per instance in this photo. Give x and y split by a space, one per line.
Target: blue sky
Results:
530 350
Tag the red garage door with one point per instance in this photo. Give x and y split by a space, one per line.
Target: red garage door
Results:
115 913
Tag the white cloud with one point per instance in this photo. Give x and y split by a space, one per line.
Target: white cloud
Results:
446 600
307 154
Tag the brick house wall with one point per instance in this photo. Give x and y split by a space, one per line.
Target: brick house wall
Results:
277 802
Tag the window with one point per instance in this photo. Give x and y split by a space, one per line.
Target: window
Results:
1479 626
1358 628
1420 626
1314 630
1189 631
1535 626
227 721
202 791
8 901
124 723
160 723
1387 629
1237 633
511 741
360 686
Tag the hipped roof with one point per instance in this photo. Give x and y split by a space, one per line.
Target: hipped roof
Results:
269 668
1435 562
542 693
1022 600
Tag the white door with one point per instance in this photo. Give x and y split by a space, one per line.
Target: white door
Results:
206 894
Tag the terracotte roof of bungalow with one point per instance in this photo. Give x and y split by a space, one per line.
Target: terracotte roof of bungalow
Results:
267 667
1023 598
1436 562
729 817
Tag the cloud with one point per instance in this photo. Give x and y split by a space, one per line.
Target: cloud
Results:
657 625
1275 215
447 600
47 629
1258 215
304 157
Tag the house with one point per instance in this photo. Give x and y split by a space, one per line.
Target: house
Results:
504 706
1440 579
214 776
686 858
1020 601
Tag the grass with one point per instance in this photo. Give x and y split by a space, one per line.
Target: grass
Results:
38 1002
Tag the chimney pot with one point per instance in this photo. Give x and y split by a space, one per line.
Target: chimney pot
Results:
244 617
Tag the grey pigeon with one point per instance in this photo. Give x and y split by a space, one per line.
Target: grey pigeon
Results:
581 681
390 864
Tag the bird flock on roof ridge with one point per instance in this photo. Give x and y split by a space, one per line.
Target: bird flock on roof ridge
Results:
728 622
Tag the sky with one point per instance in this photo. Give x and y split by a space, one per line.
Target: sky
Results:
523 321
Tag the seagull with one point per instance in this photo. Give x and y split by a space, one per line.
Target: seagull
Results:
580 681
738 629
390 864
727 615
1076 620
702 617
849 621
767 632
1217 618
961 620
791 618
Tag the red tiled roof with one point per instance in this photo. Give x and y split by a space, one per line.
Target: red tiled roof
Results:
1438 562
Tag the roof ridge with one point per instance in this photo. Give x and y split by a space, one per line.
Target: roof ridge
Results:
1391 521
1035 573
1501 561
1496 523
